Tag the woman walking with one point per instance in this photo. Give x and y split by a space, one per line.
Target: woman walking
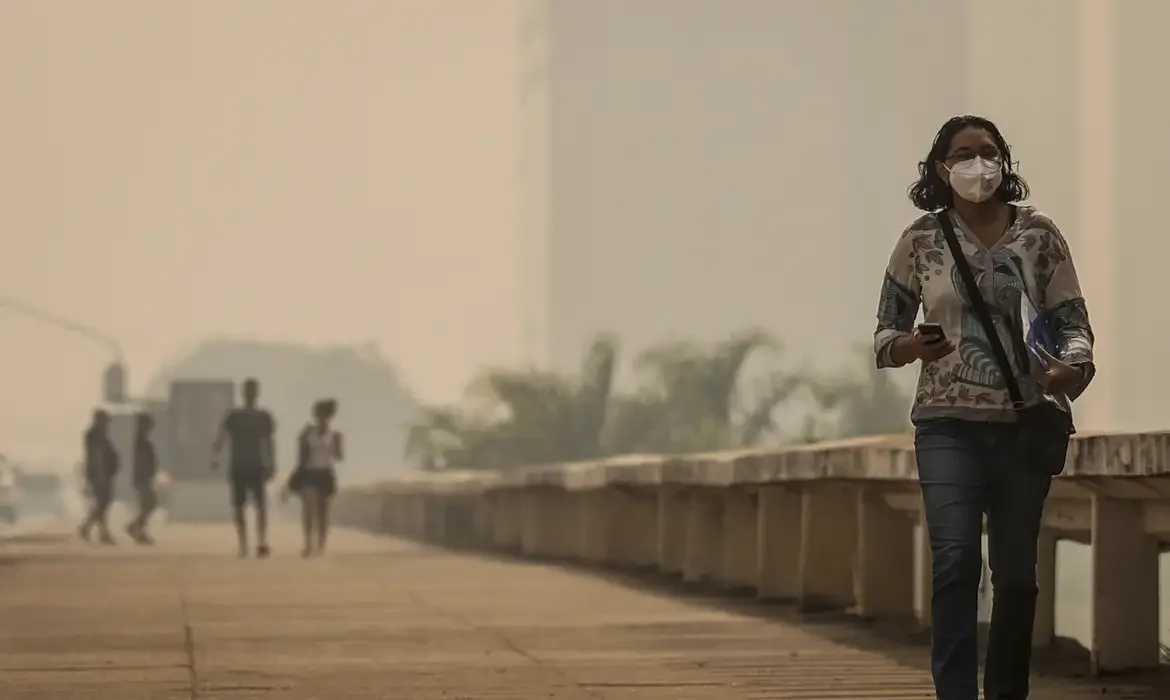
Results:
1005 347
315 478
145 472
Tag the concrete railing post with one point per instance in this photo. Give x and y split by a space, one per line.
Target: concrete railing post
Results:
778 523
828 543
1125 588
632 537
552 519
672 529
566 522
578 517
460 521
617 544
885 557
645 534
506 520
483 521
924 570
1044 624
446 520
417 509
740 569
435 518
595 517
387 512
702 559
534 532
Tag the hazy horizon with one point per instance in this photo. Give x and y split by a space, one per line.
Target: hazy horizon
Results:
465 185
326 173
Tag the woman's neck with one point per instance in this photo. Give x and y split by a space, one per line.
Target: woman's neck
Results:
979 213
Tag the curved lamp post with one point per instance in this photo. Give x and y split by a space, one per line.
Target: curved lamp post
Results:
113 378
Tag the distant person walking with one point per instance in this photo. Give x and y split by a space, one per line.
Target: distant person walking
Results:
101 466
1005 349
319 448
145 471
251 432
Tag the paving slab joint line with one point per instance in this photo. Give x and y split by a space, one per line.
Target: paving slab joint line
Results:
503 639
188 641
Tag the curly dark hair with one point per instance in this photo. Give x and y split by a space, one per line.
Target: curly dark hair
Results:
325 408
931 193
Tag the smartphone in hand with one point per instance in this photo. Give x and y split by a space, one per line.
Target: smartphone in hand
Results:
932 332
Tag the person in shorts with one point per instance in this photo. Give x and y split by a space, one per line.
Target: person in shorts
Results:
319 448
250 430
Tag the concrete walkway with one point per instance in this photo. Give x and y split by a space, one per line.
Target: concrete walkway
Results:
383 619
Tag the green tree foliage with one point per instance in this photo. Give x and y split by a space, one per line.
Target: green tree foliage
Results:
689 399
521 417
693 400
864 401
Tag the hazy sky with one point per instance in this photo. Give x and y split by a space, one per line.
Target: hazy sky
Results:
327 171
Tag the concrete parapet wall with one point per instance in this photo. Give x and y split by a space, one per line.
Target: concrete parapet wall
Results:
826 526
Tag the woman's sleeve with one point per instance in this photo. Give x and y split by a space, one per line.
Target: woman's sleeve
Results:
1065 312
899 301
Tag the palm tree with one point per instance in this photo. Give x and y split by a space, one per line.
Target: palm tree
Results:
693 398
691 401
757 422
435 436
528 417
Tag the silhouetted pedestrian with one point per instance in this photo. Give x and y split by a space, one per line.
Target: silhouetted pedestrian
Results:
319 448
101 466
145 471
251 430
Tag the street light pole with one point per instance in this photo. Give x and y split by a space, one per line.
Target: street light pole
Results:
114 384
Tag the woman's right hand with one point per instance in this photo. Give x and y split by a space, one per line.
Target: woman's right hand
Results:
917 346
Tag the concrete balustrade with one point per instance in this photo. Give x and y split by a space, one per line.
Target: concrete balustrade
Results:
825 526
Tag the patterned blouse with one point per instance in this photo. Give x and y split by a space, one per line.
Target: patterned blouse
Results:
1031 258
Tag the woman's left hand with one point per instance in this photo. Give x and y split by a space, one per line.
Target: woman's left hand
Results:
1060 376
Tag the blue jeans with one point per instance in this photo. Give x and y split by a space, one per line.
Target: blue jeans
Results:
966 469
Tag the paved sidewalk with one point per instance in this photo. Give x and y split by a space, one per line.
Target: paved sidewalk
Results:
382 619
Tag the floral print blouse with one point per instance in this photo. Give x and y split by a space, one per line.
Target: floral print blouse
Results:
1033 259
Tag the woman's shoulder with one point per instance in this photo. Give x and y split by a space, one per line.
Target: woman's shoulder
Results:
1039 231
925 227
1032 219
925 224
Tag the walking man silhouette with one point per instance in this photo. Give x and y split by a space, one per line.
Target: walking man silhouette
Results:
101 465
250 430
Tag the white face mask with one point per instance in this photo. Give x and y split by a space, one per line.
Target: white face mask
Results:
976 179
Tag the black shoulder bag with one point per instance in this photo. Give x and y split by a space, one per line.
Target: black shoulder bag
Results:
296 480
1045 428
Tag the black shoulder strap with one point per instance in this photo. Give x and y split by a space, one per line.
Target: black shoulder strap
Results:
979 305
